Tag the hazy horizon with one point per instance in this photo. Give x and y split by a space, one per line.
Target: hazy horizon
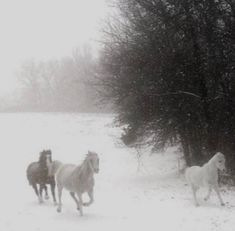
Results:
44 30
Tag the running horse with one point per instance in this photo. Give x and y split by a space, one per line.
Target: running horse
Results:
78 179
37 174
207 175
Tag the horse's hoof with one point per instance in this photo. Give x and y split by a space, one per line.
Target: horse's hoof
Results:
85 204
47 197
58 210
78 209
222 204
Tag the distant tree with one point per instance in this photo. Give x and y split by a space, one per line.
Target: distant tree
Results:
60 85
29 76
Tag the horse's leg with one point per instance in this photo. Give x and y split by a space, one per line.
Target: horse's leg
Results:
208 194
34 185
60 188
216 188
41 187
46 196
194 188
75 199
91 196
35 188
53 192
80 203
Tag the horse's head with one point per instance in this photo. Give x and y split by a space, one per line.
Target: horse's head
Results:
93 161
45 158
219 159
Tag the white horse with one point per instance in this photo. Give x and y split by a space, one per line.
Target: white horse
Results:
207 175
78 180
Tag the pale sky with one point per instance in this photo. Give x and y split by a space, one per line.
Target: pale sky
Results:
43 29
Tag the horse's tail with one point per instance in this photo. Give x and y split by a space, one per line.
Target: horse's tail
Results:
187 173
29 177
29 173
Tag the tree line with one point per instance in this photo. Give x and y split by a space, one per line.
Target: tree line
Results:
60 85
168 67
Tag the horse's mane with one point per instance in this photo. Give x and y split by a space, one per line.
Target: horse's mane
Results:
42 155
89 154
84 162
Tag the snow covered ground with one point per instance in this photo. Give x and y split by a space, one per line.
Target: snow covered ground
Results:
129 195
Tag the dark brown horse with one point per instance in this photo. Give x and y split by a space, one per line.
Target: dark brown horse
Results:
37 174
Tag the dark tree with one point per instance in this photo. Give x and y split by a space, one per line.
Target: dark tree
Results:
169 69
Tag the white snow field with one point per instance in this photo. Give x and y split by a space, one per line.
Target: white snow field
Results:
128 196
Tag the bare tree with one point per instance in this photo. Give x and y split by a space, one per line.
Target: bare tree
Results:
60 85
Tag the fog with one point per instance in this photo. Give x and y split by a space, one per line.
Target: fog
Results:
42 31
